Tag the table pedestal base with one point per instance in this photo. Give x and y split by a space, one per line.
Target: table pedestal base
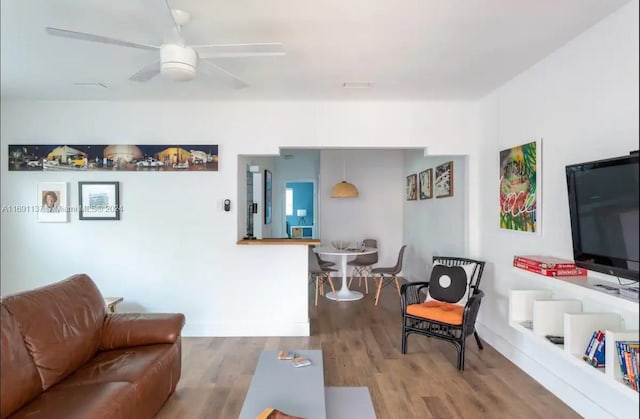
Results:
347 295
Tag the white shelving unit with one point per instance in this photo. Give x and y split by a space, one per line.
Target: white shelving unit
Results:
548 315
535 313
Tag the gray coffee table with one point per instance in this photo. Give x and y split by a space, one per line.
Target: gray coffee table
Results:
278 384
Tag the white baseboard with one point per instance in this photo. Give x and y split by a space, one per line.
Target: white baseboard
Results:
244 329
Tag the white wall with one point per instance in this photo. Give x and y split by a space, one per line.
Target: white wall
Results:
583 102
377 212
435 226
175 248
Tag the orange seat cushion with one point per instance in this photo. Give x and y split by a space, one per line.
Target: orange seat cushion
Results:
438 311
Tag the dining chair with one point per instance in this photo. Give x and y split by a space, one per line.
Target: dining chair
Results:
451 306
319 274
363 264
388 274
324 263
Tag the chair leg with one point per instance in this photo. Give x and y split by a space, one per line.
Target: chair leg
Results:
475 335
316 290
366 281
335 294
461 357
397 284
379 288
404 338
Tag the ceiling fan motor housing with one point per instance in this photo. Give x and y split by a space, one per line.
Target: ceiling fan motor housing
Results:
177 62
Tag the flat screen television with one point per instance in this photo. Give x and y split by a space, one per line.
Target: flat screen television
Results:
603 205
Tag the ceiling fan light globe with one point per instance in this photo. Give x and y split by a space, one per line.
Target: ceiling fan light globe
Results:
178 63
178 71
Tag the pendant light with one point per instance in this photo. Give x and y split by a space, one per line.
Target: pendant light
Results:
344 189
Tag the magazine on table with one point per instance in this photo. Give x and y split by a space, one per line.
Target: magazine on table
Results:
300 361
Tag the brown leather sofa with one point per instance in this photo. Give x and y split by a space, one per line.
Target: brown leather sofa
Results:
63 356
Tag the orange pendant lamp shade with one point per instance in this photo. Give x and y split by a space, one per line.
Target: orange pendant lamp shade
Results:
344 189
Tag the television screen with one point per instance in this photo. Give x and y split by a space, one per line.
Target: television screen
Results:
603 204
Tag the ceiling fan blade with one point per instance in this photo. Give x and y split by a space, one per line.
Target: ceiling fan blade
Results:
214 69
147 72
98 38
160 14
240 50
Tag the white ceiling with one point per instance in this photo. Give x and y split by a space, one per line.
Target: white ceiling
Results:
409 49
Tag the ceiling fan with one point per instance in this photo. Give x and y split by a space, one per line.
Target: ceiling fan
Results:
179 61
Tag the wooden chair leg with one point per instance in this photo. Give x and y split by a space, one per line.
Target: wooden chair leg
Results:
316 290
397 284
379 288
366 281
335 294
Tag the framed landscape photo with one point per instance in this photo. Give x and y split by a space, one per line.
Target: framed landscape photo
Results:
99 200
426 184
412 187
52 202
444 180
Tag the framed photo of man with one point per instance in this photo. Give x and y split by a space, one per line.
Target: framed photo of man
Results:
52 202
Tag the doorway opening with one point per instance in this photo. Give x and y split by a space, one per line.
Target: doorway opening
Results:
300 209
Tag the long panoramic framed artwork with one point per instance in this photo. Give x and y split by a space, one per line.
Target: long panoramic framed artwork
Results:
520 192
118 157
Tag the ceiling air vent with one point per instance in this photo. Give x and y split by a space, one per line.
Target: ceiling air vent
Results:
357 84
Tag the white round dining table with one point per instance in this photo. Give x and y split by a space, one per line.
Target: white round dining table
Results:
344 294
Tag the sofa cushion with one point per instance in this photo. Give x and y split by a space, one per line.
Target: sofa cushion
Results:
61 324
153 370
19 379
115 400
438 311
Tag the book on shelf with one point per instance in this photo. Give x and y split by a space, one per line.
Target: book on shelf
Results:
550 272
300 361
628 357
594 353
271 413
592 341
286 355
545 262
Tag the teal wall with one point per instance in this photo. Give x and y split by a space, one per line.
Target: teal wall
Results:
302 199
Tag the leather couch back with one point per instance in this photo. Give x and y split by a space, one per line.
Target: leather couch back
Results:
61 325
19 379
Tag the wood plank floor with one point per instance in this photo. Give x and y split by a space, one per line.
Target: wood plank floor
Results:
361 347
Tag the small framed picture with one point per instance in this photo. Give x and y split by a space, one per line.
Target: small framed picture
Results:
412 187
99 200
444 180
52 202
426 180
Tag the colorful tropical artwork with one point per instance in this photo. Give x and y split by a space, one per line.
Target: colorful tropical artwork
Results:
519 188
119 157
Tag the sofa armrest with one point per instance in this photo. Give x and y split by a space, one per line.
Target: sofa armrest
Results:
121 330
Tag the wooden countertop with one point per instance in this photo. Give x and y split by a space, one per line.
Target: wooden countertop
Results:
270 242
